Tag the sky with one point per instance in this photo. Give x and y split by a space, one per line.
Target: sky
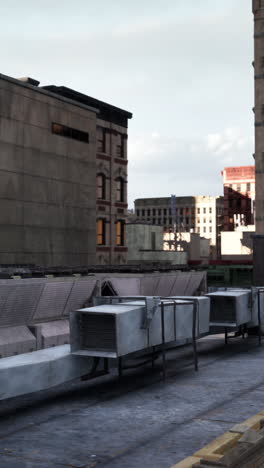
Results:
182 67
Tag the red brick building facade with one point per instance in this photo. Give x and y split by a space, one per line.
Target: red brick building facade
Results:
239 196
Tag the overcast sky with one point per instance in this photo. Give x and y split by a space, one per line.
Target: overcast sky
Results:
182 67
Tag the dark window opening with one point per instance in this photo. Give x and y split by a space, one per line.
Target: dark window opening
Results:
120 190
101 140
101 186
120 146
69 132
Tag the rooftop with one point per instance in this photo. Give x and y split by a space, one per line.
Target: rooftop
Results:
139 421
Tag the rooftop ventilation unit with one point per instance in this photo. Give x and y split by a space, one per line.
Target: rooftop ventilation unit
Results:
115 330
230 308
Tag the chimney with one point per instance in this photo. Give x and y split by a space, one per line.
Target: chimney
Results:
28 80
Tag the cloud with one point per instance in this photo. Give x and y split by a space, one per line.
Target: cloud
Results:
160 165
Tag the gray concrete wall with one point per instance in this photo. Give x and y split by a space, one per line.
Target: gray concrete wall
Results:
47 182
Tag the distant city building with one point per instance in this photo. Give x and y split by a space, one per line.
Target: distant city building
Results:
239 196
145 245
200 214
63 173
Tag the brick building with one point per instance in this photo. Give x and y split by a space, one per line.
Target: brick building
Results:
63 175
239 196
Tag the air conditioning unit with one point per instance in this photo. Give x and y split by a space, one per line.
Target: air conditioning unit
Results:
230 308
115 330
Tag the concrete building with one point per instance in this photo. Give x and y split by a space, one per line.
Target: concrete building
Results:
197 247
239 196
145 245
200 214
238 245
258 64
63 163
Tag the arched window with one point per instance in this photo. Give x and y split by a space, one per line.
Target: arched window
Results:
101 231
120 189
101 186
120 233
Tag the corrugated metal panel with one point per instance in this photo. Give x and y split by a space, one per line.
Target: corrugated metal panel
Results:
165 285
126 286
80 294
53 300
148 286
18 303
180 284
194 283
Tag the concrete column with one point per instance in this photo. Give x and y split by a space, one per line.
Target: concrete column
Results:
258 240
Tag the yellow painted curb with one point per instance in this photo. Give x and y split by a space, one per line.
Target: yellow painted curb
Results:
216 449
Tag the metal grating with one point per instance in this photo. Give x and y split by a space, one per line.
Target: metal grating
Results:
18 303
223 309
149 285
98 332
80 295
53 300
126 286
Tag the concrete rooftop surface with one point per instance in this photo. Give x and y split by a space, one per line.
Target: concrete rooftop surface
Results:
139 421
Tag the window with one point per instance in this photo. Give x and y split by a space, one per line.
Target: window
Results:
210 229
120 233
204 229
138 213
142 212
198 210
181 211
187 220
148 212
101 139
204 220
101 232
120 190
69 132
210 220
170 221
198 230
154 212
164 221
198 220
159 221
210 210
153 221
120 146
238 187
101 185
165 212
204 210
248 187
159 212
187 211
169 211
